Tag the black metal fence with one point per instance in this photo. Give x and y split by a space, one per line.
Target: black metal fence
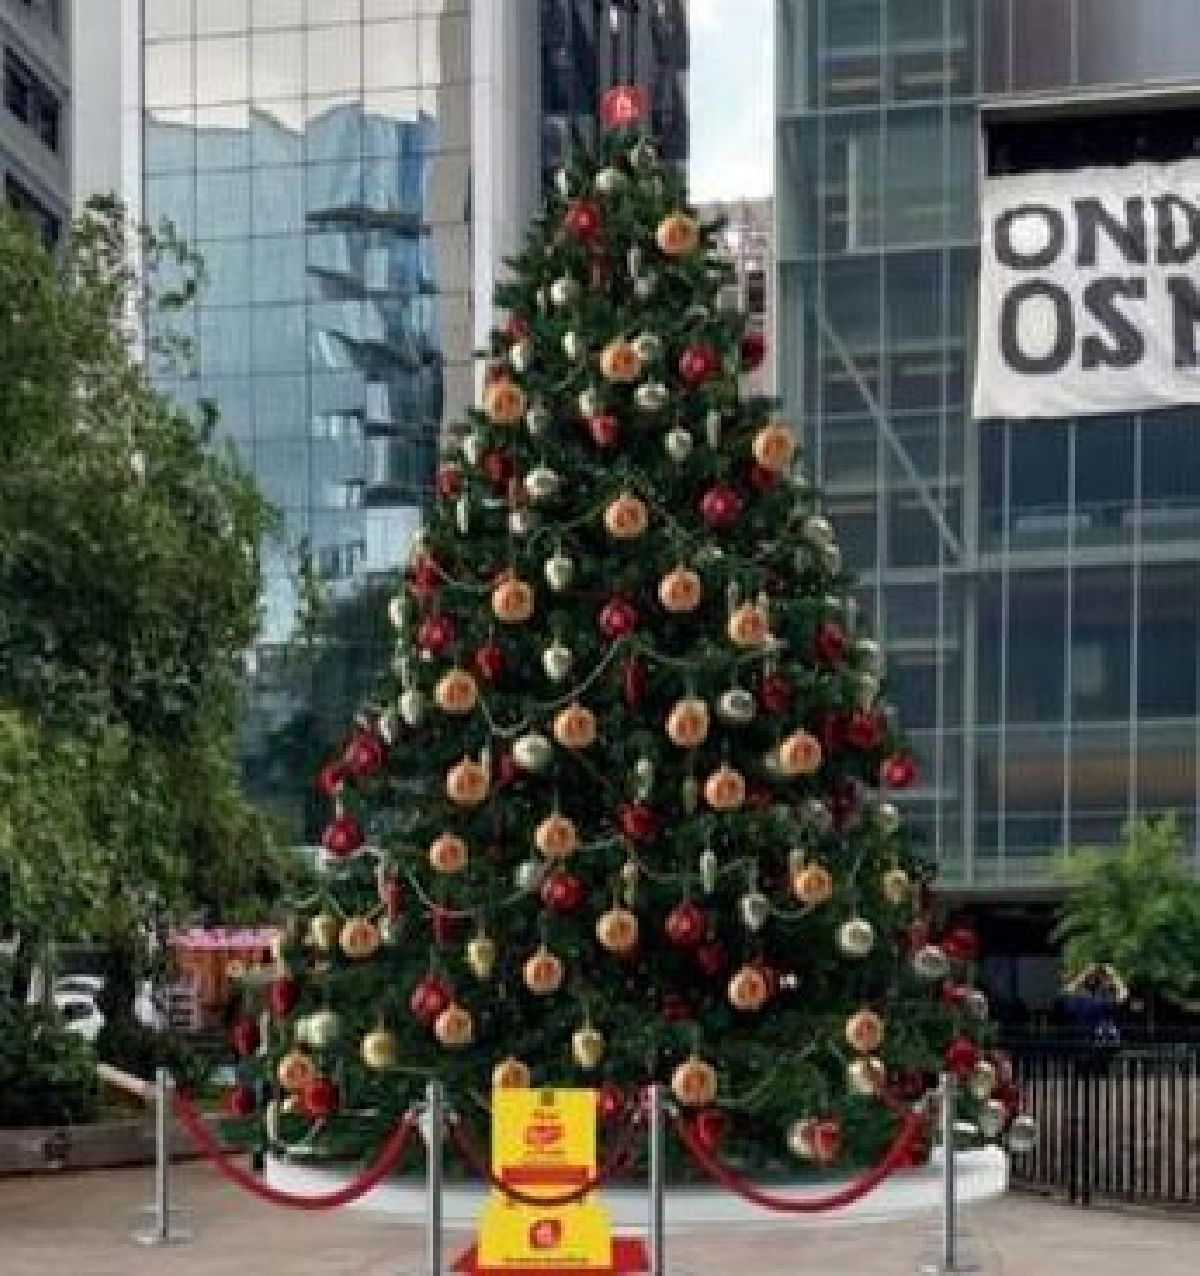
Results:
1120 1121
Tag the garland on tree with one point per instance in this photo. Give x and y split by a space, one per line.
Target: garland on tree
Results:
625 812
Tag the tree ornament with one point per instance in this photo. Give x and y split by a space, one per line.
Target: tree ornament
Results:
448 483
462 514
774 693
587 1047
720 507
626 517
364 754
983 1080
282 995
481 955
800 1139
604 429
321 1029
725 789
651 396
379 1049
294 1071
466 783
735 707
816 815
812 885
755 909
412 707
864 1031
680 591
543 972
611 181
454 1027
239 1101
456 692
555 837
520 355
685 925
582 221
931 963
694 1082
504 402
431 995
511 1074
564 291
863 730
1022 1135
748 626
330 779
448 853
359 938
679 444
867 652
538 420
961 944
677 235
896 886
572 344
319 1099
618 618
829 644
562 892
512 601
713 420
644 156
887 817
898 771
867 1076
856 937
435 633
649 346
542 483
644 286
244 1036
342 836
774 447
960 1057
753 350
590 402
575 727
617 930
708 870
323 931
748 990
697 363
619 362
489 660
799 754
533 752
564 183
636 821
556 661
688 722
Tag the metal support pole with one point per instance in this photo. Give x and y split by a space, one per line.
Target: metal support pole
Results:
435 1113
658 1178
949 1203
160 1231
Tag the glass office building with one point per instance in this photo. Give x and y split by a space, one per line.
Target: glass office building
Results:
1037 583
316 153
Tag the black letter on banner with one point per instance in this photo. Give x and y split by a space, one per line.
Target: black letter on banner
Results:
1064 323
1187 316
1100 299
1008 255
1128 236
1169 252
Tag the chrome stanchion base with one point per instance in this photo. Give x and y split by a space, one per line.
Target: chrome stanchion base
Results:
932 1263
151 1234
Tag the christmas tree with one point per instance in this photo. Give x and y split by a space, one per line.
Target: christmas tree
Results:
625 813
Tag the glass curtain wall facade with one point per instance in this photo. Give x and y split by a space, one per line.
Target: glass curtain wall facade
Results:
316 153
1037 583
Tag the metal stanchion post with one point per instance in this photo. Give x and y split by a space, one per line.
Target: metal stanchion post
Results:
658 1150
436 1115
950 1258
160 1232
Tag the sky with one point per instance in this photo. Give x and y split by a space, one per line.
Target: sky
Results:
732 92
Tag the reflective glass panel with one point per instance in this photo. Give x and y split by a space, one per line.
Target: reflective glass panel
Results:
222 69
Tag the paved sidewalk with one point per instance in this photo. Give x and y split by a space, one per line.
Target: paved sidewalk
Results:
79 1225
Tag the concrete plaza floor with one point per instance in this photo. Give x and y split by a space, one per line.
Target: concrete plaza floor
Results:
80 1225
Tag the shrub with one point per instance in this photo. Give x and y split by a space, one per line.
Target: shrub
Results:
47 1074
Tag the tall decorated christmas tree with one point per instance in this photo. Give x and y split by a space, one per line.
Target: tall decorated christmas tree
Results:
624 812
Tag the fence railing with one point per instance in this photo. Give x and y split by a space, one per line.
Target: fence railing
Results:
1116 1120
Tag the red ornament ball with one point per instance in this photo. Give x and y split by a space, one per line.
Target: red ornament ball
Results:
364 755
610 1103
961 1056
636 821
244 1036
618 618
604 429
774 693
720 507
960 943
582 220
320 1098
342 836
329 778
489 660
498 468
697 363
429 998
424 579
829 643
239 1101
449 482
711 959
753 350
898 771
282 996
435 633
863 730
826 1140
562 892
685 925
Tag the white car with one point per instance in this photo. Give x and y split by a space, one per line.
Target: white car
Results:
80 1014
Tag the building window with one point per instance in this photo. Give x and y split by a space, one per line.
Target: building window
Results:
30 100
49 11
48 224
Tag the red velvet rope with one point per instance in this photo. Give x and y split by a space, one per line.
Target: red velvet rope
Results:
911 1128
389 1155
477 1162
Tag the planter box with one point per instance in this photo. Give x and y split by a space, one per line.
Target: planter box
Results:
102 1144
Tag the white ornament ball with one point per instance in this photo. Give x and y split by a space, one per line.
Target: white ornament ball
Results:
644 286
651 396
609 181
528 875
817 530
532 752
800 1139
412 707
538 420
736 707
648 346
572 344
520 354
930 962
472 448
320 1029
541 483
679 444
559 571
556 661
755 909
856 937
564 292
590 401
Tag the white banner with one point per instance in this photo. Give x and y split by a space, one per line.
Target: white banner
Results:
1089 291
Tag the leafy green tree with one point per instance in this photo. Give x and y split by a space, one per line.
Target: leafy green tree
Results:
129 584
1137 909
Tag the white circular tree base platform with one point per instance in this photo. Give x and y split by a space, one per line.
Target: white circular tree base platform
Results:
981 1175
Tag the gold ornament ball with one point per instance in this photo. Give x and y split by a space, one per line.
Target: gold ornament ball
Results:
748 626
379 1049
456 692
864 1031
688 722
454 1027
626 517
748 990
448 853
680 591
677 235
587 1046
725 789
512 601
511 1074
617 930
556 837
294 1071
466 783
620 362
359 938
694 1082
323 931
799 754
543 972
774 447
481 956
896 886
812 884
575 727
504 402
